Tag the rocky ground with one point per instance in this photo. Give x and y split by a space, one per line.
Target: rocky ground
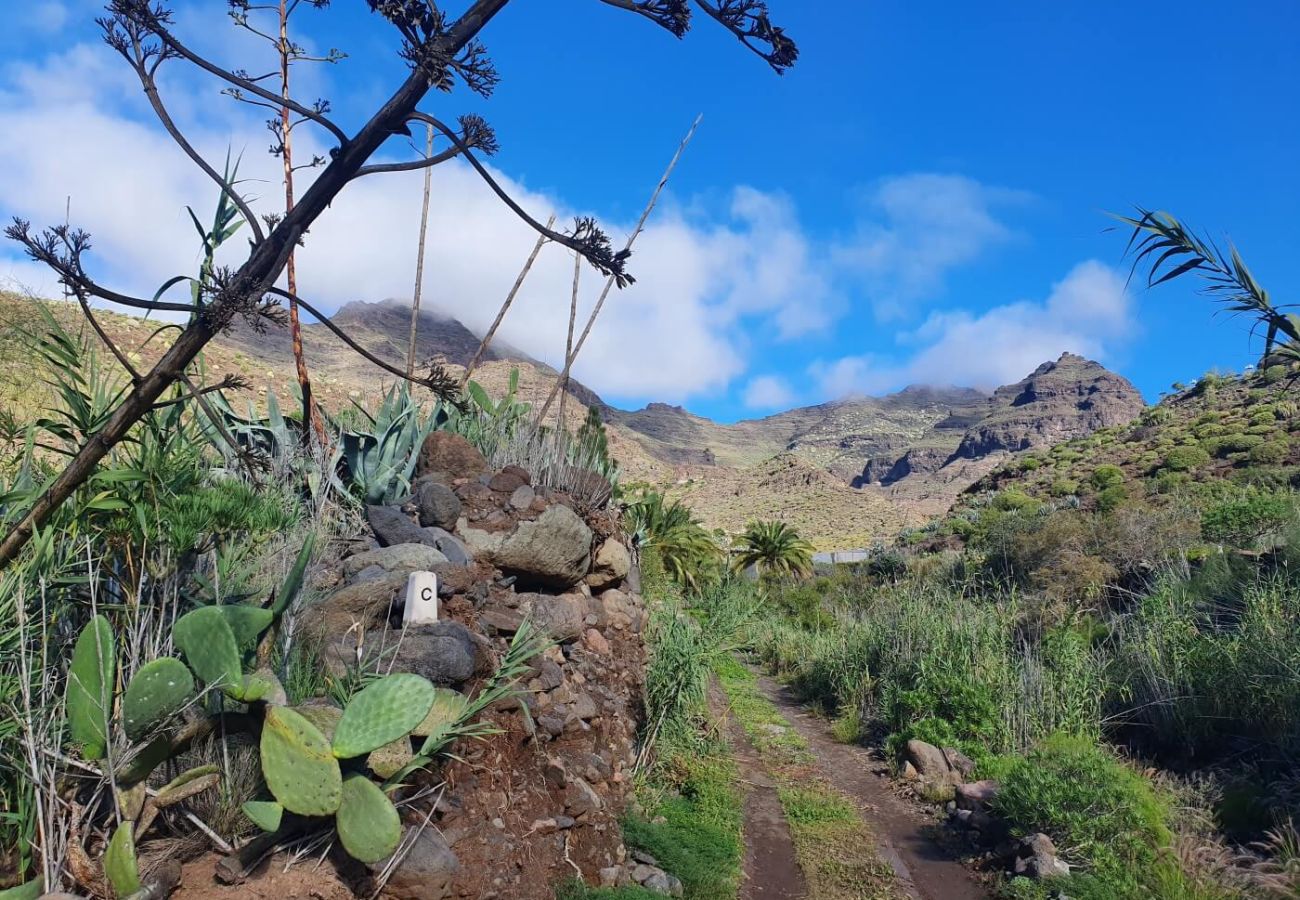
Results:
539 801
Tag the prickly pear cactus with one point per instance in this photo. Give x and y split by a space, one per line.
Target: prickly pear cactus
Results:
188 784
296 761
119 862
90 688
265 814
157 692
209 645
326 718
368 824
448 706
390 759
247 623
382 712
138 767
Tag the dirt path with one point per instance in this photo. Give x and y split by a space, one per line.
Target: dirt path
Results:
771 871
924 869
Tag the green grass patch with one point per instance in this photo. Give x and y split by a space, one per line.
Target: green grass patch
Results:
700 841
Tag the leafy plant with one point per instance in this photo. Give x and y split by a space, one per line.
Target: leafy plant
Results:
379 464
775 548
1170 249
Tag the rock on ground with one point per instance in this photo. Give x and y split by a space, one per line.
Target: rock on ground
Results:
448 457
553 550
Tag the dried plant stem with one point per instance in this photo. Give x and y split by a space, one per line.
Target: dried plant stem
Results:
568 344
505 307
419 257
563 380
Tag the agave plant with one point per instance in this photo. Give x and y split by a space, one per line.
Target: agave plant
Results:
379 464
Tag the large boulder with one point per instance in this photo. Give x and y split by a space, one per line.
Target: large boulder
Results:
610 565
439 505
448 457
398 558
426 871
443 652
552 551
929 761
392 526
563 618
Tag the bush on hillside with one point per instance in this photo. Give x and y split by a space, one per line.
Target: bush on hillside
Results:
1269 453
1243 522
1099 812
1105 476
1186 458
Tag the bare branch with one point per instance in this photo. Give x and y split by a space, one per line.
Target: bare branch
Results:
435 381
60 248
151 19
586 239
748 21
475 132
155 100
229 382
104 338
674 15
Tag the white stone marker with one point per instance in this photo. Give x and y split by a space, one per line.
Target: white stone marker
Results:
421 599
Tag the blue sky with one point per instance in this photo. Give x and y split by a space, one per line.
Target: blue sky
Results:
921 199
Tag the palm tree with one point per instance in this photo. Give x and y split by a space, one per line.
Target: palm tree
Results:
774 547
688 552
1168 249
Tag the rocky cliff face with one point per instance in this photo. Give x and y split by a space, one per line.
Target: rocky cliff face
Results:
1057 401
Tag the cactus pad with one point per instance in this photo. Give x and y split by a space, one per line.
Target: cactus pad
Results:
119 862
390 759
187 784
326 718
265 814
247 623
209 645
90 688
368 824
297 764
157 692
448 707
381 712
138 767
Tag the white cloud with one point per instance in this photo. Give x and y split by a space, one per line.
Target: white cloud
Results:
675 334
46 16
917 229
768 392
1088 312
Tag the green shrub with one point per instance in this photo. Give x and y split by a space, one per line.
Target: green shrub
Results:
1186 458
1231 443
1064 487
1015 500
1030 463
1111 498
1243 522
1105 476
1091 805
1269 453
1274 374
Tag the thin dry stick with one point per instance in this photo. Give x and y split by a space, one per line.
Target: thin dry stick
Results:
573 318
419 259
311 414
609 283
505 307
